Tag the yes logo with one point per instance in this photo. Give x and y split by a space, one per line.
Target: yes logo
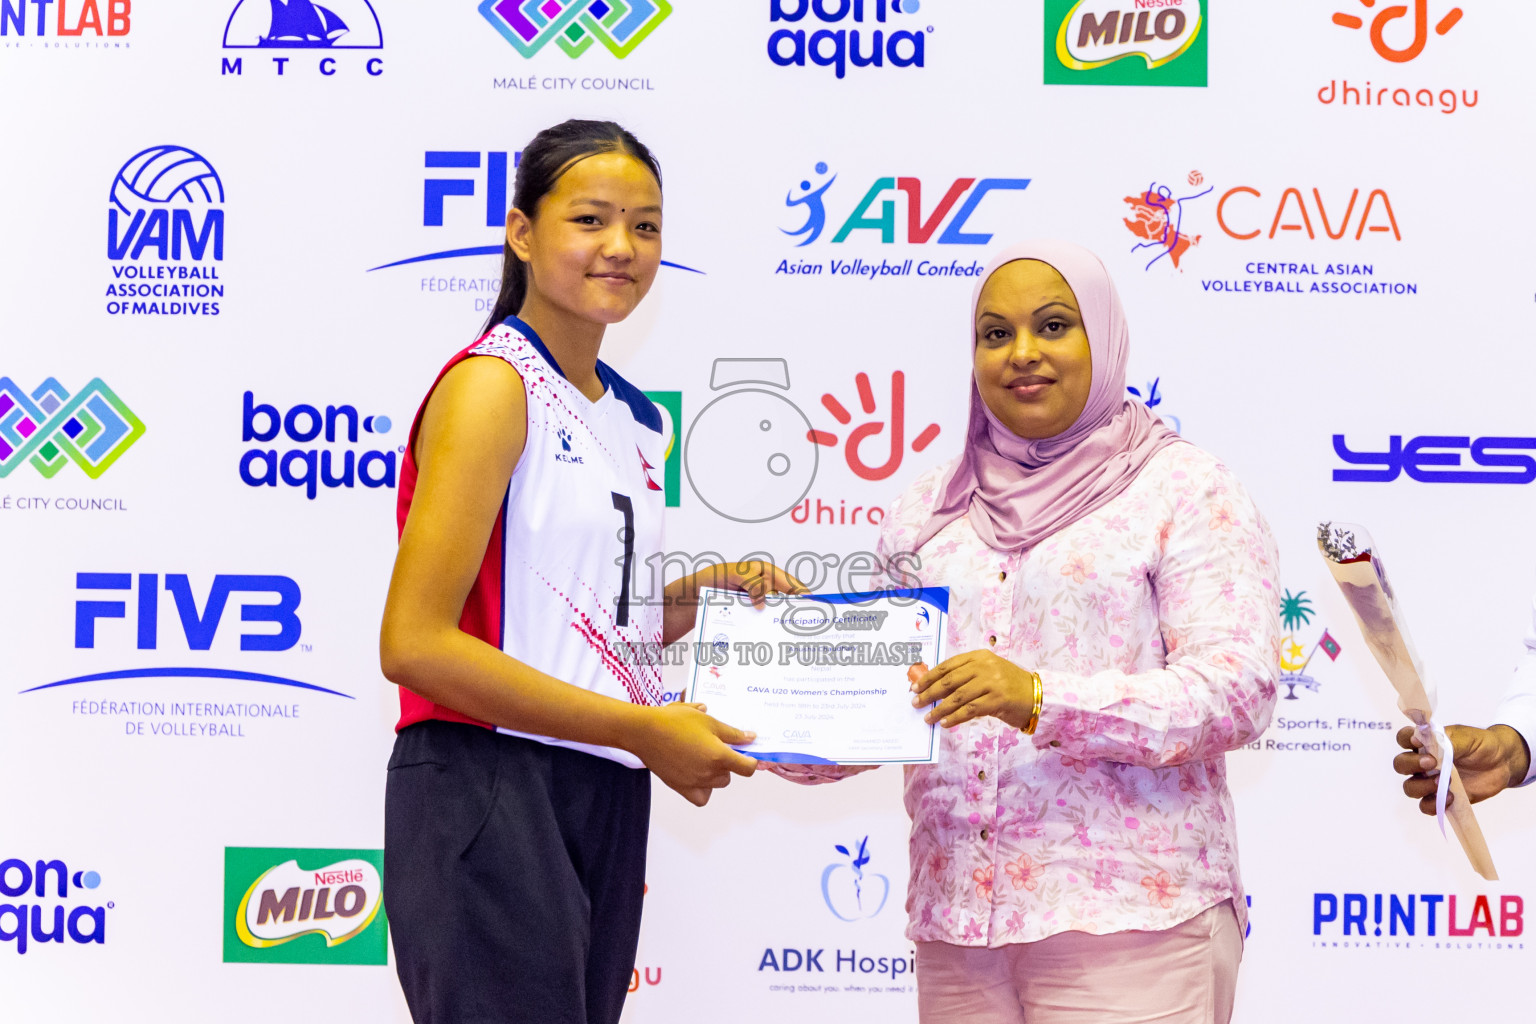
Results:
851 892
1125 42
304 906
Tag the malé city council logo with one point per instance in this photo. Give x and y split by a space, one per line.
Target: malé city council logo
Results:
50 427
573 25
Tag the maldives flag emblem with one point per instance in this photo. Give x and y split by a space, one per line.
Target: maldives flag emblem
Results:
1329 645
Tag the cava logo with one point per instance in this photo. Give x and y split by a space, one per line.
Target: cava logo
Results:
1125 42
304 906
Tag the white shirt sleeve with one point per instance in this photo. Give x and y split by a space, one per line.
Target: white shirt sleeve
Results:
1518 709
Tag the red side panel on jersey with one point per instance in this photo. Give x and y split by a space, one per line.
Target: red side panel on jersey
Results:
482 616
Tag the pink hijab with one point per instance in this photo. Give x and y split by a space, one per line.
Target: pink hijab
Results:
1017 491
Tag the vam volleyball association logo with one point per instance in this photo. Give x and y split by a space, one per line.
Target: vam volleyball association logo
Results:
165 235
574 25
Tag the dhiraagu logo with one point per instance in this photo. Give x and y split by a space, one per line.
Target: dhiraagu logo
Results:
1125 42
293 906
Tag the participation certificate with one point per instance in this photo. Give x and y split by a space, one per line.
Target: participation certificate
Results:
822 678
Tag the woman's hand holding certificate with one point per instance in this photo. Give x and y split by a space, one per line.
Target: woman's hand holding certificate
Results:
819 677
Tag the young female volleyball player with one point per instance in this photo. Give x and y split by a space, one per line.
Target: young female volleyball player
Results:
517 805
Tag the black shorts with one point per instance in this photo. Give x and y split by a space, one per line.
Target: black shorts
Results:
513 877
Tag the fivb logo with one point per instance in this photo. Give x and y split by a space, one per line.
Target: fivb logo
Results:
198 626
40 923
304 906
166 202
308 468
921 226
620 25
51 428
837 47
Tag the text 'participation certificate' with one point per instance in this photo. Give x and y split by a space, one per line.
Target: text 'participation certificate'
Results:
822 678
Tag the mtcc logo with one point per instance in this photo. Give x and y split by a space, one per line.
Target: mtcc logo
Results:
1387 15
50 427
838 47
284 26
851 892
573 25
877 210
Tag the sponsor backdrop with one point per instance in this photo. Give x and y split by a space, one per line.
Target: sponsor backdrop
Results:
240 237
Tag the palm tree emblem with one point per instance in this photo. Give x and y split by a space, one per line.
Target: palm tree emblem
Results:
1295 612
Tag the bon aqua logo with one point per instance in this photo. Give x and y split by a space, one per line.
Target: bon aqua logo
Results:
296 906
50 428
870 42
574 25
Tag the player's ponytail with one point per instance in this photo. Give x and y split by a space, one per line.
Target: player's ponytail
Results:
551 153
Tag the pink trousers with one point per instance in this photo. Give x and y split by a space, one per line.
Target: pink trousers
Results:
1184 975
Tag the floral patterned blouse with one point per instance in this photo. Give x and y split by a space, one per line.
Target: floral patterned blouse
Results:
1154 626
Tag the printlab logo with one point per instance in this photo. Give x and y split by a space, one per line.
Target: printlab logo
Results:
73 24
1121 42
472 175
1400 916
284 26
573 25
34 919
1296 612
1406 44
1436 459
167 202
851 892
294 906
306 466
51 428
1157 219
749 456
838 47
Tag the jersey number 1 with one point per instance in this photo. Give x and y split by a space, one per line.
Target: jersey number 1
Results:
622 503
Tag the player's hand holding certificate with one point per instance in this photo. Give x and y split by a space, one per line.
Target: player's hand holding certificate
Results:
822 678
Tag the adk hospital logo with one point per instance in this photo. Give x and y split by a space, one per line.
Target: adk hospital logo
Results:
165 235
318 39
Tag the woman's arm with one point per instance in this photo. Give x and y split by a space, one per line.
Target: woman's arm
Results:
471 437
1217 587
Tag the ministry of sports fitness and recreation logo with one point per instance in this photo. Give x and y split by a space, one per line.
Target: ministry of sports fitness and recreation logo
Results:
283 29
1125 42
574 25
71 25
1295 657
165 235
297 906
50 428
1399 38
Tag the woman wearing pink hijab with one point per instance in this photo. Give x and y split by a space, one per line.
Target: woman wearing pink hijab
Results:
1113 594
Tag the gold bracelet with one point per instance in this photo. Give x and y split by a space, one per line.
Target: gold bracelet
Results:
1034 715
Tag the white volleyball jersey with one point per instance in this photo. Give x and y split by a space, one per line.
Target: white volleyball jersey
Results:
582 516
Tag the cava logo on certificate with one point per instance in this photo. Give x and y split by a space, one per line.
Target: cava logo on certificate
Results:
823 678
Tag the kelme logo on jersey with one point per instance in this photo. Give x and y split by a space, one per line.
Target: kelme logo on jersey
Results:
292 906
573 25
305 447
670 403
840 34
165 235
1125 42
43 901
70 24
51 428
285 28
